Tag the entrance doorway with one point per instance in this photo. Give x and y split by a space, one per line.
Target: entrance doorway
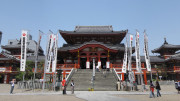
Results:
83 63
91 62
2 79
103 63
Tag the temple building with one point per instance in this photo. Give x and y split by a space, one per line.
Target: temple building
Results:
99 43
171 66
11 55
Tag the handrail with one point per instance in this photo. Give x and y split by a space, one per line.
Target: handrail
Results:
70 75
116 75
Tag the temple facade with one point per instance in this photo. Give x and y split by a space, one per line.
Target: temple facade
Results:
99 43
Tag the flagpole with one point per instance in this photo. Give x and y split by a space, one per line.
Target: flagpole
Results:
36 58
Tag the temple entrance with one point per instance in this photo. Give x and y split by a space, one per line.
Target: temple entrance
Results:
2 79
91 63
83 63
103 63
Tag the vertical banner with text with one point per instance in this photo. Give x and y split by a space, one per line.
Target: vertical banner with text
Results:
130 53
54 57
146 52
23 49
137 51
48 53
124 67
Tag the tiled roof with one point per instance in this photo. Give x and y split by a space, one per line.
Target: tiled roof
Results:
93 29
153 59
166 46
117 47
173 57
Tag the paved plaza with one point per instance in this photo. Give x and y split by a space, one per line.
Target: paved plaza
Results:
168 94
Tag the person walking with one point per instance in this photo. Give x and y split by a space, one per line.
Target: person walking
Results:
118 85
151 90
72 87
12 86
63 83
158 88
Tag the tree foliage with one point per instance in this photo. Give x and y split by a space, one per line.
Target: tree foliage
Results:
29 71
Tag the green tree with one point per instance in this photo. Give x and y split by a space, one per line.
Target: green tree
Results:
28 72
40 70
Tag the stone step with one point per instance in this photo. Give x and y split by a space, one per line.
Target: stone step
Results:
82 79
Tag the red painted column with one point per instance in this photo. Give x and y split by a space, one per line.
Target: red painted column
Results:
7 79
64 74
78 58
122 74
145 78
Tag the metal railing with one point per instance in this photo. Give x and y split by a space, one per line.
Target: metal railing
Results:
70 75
115 74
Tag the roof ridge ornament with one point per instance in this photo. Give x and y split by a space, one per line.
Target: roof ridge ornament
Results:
165 42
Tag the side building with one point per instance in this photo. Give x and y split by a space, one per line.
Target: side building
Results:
11 55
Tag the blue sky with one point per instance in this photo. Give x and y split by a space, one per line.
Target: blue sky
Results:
160 18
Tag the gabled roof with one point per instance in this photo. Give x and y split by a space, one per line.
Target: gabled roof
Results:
99 33
118 47
15 47
166 46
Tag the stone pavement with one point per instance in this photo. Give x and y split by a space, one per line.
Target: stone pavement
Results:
92 95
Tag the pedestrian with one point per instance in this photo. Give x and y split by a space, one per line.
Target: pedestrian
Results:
151 89
158 88
118 85
12 86
104 73
63 83
72 87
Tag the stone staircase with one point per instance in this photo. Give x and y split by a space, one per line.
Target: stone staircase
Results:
82 79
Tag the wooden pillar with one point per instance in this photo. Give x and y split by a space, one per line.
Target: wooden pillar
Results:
87 62
99 60
64 74
78 58
108 63
145 78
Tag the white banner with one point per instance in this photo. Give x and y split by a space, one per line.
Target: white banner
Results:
130 53
54 57
125 59
23 49
146 53
138 61
48 53
131 76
